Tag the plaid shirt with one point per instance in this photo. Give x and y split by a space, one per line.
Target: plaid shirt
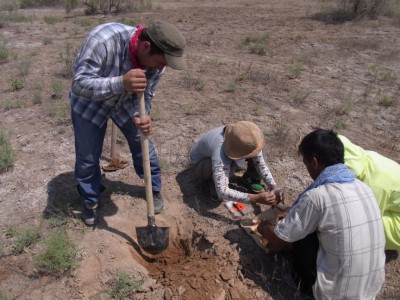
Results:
351 258
97 90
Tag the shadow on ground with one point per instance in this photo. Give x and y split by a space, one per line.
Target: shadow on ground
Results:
264 269
64 203
195 195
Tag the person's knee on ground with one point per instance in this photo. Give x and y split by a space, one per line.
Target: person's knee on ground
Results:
203 173
203 170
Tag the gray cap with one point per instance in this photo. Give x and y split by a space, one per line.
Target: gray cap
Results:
168 38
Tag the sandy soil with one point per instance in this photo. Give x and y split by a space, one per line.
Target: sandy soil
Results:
318 71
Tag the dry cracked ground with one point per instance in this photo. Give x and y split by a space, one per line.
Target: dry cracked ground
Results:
288 66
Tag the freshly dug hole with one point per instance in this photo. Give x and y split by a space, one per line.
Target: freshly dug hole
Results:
189 268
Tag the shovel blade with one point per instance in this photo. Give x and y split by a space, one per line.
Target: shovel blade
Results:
153 239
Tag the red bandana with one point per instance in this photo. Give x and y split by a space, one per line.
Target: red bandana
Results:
133 47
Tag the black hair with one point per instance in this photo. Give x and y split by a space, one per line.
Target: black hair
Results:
154 49
324 145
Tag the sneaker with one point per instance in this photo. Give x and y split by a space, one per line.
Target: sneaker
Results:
253 185
158 202
89 215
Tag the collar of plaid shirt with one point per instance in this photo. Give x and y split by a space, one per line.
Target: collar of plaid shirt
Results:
133 47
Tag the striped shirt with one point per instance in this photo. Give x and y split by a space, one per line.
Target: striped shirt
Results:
97 91
351 258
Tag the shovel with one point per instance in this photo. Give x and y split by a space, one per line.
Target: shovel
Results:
151 238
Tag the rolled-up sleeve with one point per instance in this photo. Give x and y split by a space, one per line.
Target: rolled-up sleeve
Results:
302 219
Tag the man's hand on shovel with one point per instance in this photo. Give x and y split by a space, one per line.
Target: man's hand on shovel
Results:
151 238
143 123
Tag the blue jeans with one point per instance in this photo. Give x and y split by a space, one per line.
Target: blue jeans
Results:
89 140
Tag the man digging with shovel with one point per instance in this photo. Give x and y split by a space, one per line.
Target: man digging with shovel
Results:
115 63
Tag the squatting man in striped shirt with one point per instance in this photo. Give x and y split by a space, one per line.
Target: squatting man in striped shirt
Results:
115 63
334 227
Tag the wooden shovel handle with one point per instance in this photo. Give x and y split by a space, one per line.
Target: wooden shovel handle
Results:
146 160
113 140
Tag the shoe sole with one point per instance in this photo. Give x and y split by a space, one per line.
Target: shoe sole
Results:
89 223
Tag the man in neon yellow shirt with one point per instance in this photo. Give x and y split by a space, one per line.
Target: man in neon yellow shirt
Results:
383 177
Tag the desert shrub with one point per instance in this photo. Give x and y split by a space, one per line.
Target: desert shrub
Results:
340 124
345 107
68 58
58 254
39 3
295 70
47 40
123 286
24 66
37 95
18 18
57 88
392 9
193 82
7 154
232 87
70 5
110 6
16 84
12 104
4 52
51 20
362 8
84 22
386 101
8 6
257 44
3 21
23 238
59 110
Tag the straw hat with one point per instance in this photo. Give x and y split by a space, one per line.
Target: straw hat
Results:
242 139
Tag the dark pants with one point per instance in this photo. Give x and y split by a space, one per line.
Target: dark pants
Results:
88 147
305 262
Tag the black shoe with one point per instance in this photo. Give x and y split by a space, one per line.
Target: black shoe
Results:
102 189
89 215
158 202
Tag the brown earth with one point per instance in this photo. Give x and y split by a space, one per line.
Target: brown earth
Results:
319 70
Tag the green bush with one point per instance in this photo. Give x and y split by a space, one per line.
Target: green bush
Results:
39 3
70 5
4 53
25 238
257 44
7 154
58 254
124 286
362 8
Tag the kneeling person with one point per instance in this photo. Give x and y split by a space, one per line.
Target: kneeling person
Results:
222 150
335 227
